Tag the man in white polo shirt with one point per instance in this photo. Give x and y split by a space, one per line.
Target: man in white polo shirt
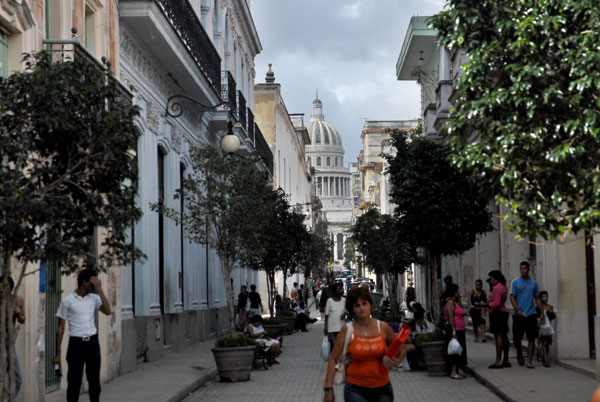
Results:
78 309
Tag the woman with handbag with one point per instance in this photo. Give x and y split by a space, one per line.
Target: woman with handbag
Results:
360 351
455 315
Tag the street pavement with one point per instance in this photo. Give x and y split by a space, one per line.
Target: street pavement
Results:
542 384
299 378
189 375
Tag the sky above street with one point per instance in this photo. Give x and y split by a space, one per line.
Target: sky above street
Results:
348 50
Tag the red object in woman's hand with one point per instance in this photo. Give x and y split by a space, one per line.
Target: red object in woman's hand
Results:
394 349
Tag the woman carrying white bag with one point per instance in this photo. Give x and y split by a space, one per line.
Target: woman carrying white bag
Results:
545 330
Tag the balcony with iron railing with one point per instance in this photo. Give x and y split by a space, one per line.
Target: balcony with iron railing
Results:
251 129
171 31
185 22
71 49
263 149
228 91
241 107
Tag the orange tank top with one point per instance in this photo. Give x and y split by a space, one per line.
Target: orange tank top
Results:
366 367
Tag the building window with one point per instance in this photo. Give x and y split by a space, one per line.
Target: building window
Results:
337 186
326 135
336 161
318 161
318 138
328 161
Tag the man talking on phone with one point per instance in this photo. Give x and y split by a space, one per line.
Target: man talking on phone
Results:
78 309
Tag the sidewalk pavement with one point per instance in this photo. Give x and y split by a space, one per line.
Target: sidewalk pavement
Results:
520 384
169 379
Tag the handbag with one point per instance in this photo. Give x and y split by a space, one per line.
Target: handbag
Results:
340 367
545 328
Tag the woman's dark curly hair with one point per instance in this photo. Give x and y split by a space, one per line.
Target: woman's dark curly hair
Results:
361 292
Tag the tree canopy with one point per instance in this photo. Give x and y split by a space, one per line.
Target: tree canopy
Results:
66 170
527 116
439 207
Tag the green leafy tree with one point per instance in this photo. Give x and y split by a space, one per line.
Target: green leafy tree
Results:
527 116
224 199
65 171
439 207
349 249
379 239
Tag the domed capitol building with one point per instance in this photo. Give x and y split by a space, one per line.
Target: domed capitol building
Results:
333 181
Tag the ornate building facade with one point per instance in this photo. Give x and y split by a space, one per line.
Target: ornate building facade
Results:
332 179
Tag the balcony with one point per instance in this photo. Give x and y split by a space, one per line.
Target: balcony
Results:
262 149
443 105
70 50
241 107
228 91
185 22
251 129
170 31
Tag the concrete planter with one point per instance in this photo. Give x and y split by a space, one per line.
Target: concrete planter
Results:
434 354
289 324
275 330
234 364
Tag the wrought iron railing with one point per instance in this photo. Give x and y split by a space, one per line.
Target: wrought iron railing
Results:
72 49
263 149
228 88
241 105
185 22
251 126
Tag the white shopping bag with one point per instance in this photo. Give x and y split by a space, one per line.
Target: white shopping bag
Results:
325 348
454 347
545 326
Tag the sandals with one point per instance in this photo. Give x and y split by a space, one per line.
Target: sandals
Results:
457 377
496 366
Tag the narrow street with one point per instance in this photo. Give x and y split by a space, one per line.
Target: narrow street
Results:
299 377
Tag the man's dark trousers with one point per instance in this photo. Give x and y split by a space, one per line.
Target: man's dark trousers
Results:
83 352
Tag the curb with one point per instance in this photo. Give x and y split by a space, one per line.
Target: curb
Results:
488 384
189 389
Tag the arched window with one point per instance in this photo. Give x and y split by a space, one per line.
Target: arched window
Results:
336 161
328 161
318 161
326 135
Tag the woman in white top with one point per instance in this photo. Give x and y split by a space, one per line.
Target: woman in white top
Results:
335 312
256 331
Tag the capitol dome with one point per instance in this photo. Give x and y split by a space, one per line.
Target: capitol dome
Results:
322 133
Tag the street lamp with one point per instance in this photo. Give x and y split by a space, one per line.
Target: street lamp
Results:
230 143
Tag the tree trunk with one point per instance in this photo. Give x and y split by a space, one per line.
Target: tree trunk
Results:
284 284
434 271
226 265
271 291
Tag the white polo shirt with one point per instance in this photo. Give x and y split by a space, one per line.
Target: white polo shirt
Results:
79 312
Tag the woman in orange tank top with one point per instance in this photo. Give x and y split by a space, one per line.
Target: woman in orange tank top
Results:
367 368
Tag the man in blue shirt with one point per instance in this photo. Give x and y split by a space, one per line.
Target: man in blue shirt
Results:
524 296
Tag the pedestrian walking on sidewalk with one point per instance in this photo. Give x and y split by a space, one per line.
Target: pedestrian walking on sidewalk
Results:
477 300
546 339
455 315
255 305
241 308
367 373
524 296
79 309
335 312
499 318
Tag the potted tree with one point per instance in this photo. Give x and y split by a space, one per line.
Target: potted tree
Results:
433 347
219 212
